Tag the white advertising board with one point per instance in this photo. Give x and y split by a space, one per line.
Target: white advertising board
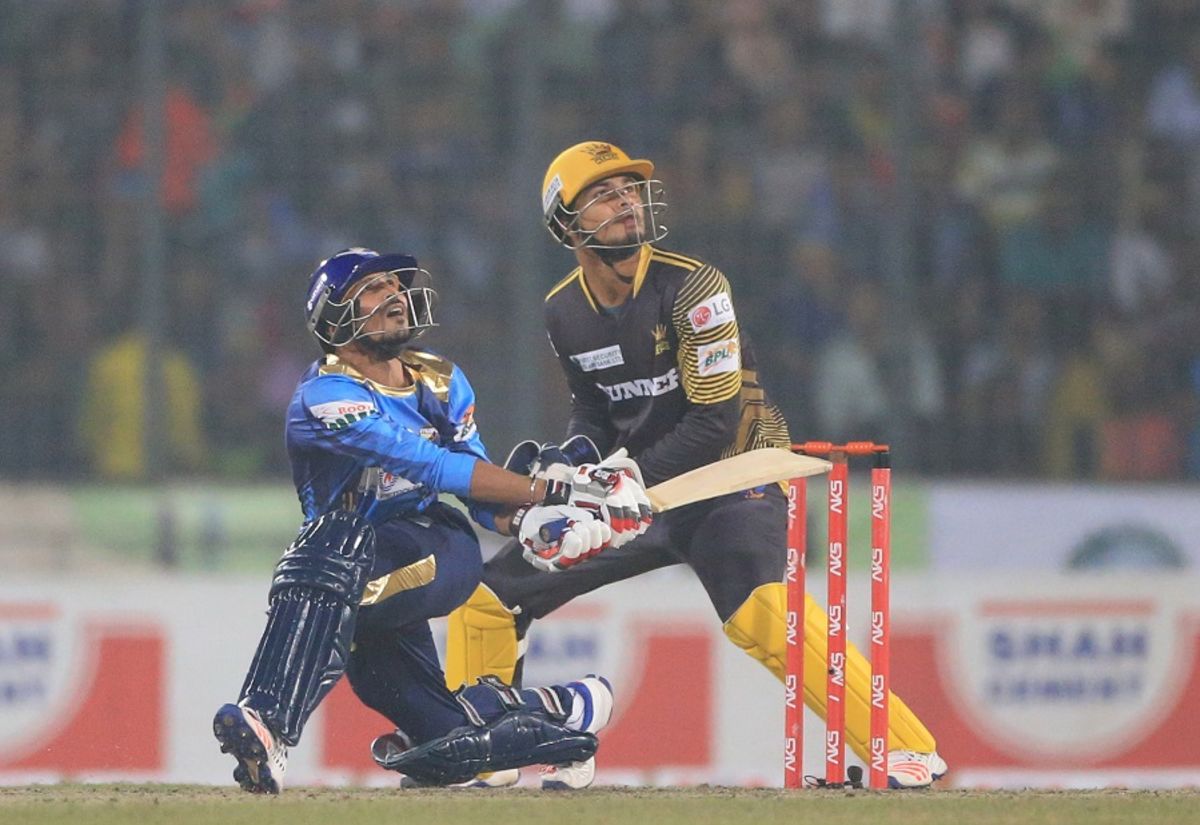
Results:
1046 681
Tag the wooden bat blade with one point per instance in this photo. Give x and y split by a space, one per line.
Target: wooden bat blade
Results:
731 475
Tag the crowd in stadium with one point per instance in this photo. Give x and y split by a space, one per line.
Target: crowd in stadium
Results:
1050 326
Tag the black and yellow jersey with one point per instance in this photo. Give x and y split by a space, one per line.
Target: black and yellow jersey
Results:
669 374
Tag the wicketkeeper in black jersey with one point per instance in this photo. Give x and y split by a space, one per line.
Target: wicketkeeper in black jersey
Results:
658 366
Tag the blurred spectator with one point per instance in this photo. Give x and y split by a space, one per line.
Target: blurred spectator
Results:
113 419
863 375
1079 407
1055 192
1005 171
1060 252
1141 273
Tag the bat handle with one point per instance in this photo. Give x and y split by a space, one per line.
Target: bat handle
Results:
552 531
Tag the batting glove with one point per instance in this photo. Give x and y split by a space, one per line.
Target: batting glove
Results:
557 537
614 494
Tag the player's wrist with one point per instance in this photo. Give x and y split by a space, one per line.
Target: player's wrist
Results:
514 522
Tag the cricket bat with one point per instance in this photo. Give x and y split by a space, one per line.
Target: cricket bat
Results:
731 475
743 471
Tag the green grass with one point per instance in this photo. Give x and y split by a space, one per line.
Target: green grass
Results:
186 805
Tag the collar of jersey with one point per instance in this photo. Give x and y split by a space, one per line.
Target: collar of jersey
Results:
638 278
433 379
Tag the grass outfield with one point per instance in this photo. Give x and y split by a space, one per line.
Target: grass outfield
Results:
188 804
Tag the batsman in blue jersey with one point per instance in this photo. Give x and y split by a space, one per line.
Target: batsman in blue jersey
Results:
377 429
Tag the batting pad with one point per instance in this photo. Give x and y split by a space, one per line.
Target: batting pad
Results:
759 627
481 640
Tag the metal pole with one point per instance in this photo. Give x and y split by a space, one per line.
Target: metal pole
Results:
153 80
901 221
529 240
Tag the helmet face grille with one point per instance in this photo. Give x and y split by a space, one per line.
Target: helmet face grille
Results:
648 198
338 323
580 166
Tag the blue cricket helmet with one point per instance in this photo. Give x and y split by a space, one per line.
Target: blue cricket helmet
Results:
331 310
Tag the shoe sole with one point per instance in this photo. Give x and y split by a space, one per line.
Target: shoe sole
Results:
408 783
253 772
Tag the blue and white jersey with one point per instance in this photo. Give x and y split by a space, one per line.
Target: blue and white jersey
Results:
383 451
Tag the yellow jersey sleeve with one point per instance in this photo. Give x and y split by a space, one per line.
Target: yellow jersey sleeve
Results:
710 358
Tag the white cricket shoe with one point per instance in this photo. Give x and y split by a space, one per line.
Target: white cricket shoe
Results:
262 758
572 777
591 711
913 769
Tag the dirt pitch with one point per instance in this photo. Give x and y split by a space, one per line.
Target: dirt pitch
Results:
190 804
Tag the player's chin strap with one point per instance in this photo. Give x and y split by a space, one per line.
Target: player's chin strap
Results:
615 255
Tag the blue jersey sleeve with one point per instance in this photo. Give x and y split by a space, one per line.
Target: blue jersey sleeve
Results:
467 439
343 417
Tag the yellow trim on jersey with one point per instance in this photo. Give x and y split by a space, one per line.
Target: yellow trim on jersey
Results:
575 276
677 259
409 577
561 285
434 371
701 284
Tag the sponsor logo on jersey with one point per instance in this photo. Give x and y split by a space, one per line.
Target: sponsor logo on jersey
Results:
715 311
719 357
661 344
337 415
383 484
466 429
643 387
392 485
599 359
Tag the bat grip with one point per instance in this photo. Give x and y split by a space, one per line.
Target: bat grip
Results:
552 531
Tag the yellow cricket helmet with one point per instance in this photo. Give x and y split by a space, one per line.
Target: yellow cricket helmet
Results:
579 167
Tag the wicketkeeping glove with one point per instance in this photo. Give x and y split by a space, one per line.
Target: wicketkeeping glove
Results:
556 537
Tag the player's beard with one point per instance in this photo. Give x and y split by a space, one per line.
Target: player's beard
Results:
386 347
629 246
